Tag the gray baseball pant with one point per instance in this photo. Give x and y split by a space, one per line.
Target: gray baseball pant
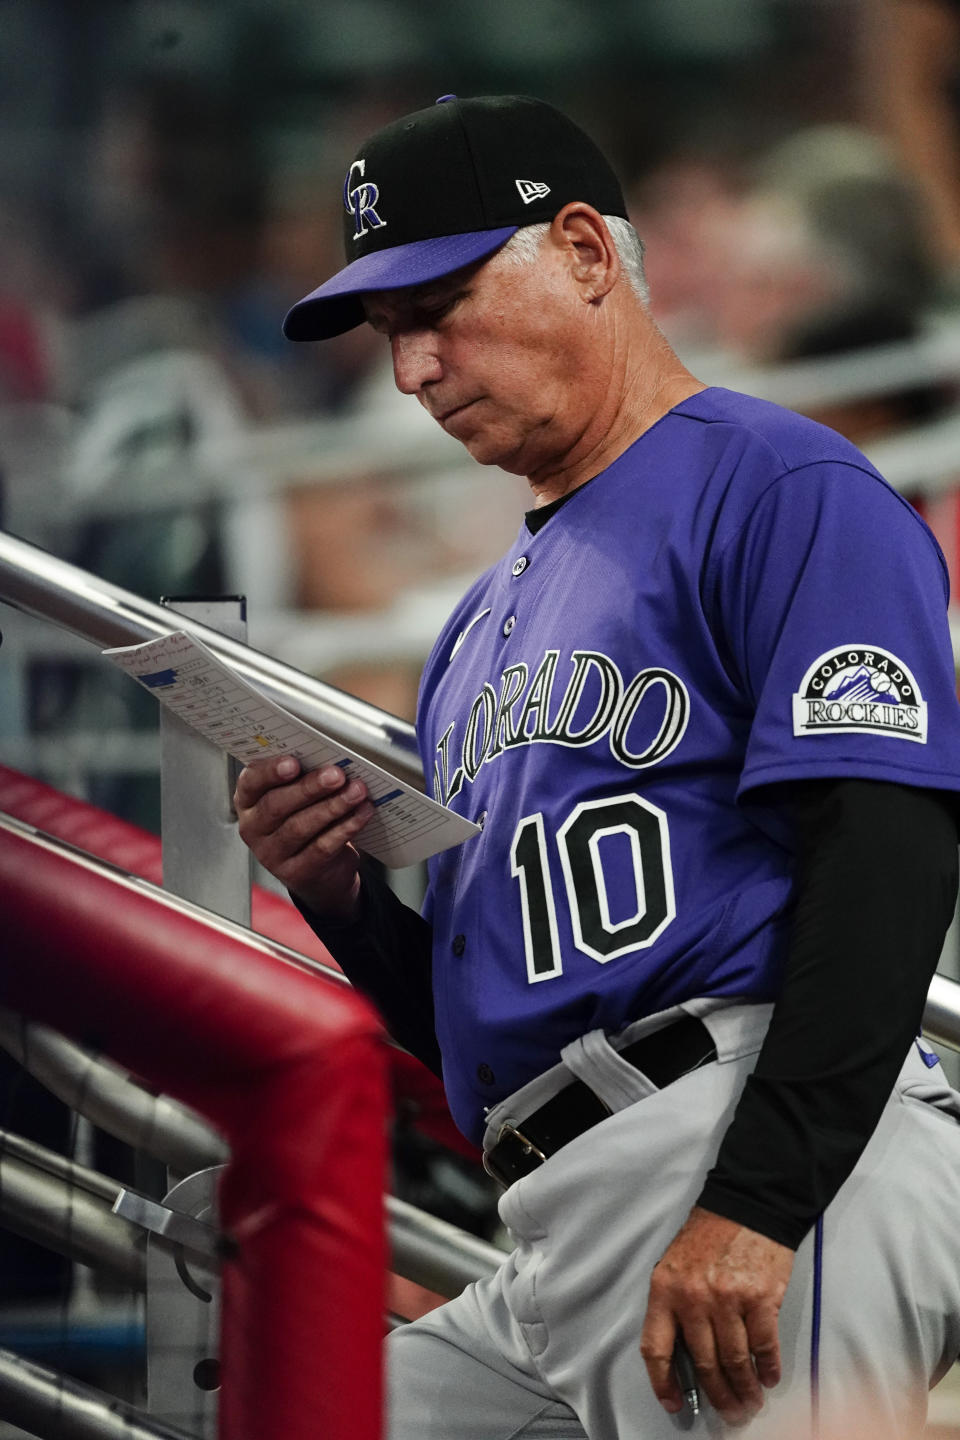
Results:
548 1348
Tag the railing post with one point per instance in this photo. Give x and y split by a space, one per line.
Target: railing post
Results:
204 859
183 1321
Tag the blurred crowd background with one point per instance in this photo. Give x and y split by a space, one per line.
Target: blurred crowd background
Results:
170 179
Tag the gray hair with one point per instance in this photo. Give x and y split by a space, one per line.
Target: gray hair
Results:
524 247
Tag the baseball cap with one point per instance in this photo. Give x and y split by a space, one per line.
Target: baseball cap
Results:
446 186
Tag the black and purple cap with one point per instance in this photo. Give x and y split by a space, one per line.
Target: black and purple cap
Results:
446 186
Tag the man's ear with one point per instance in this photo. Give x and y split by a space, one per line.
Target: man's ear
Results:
582 232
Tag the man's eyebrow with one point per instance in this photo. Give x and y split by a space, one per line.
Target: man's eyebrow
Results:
433 292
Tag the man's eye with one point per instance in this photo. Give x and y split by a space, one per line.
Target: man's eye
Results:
441 310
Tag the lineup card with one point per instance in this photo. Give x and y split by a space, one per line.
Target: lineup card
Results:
186 675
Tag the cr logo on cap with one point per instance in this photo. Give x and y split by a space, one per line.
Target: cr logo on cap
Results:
359 200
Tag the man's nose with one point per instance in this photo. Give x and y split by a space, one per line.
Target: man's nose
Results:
415 360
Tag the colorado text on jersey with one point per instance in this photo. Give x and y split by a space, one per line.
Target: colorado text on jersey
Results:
494 724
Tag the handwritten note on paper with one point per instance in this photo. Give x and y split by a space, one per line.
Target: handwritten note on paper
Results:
185 675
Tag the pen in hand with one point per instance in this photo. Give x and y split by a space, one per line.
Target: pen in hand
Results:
686 1376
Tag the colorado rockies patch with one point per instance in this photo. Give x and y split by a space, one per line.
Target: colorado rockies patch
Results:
861 688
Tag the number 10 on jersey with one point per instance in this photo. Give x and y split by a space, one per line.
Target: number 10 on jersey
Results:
578 843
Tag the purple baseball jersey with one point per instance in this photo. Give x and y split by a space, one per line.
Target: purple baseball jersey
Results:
738 600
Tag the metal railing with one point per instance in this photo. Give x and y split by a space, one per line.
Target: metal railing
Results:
71 1210
67 1208
48 1404
941 1015
77 1212
105 1096
932 357
427 1251
41 585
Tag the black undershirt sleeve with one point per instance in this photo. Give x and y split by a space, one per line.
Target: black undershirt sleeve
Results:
385 953
877 887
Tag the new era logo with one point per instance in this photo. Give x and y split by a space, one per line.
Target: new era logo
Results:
531 190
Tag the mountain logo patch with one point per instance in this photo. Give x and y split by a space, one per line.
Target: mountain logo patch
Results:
861 688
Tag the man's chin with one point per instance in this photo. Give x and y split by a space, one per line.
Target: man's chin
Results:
487 451
492 449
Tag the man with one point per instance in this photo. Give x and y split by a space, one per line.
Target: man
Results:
704 711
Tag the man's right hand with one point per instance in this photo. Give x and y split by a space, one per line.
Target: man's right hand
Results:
300 826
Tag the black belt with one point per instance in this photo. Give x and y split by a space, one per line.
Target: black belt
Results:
663 1057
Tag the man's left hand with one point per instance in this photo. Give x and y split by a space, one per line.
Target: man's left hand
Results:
721 1286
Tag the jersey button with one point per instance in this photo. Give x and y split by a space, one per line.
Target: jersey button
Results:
520 565
509 623
459 945
485 1075
481 819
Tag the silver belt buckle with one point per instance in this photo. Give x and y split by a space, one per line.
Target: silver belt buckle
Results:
528 1148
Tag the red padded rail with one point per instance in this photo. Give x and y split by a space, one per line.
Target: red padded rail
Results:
138 852
292 1070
